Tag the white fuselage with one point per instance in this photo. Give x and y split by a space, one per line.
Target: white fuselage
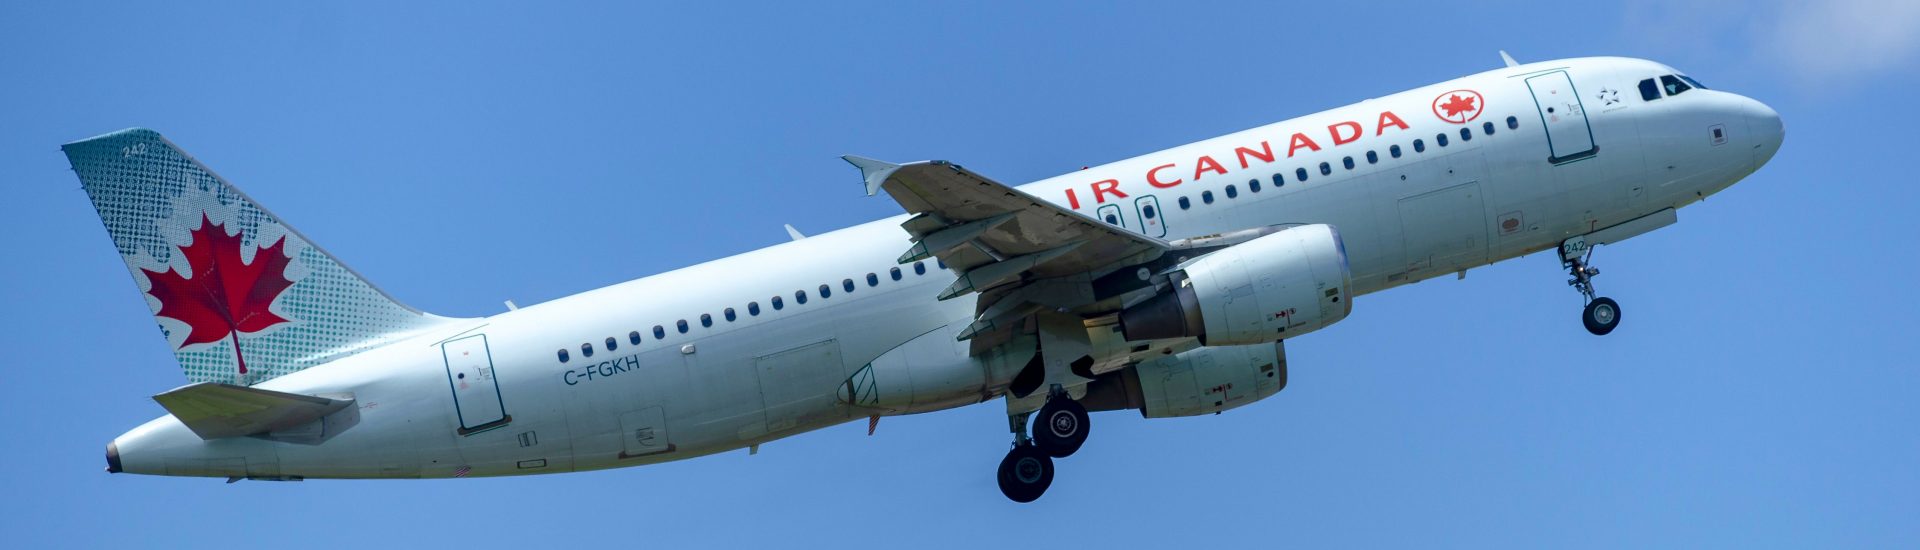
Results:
756 377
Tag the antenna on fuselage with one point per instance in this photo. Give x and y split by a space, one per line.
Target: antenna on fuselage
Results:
1508 59
794 233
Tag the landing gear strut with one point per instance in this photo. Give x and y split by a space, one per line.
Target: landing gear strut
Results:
1602 314
1061 428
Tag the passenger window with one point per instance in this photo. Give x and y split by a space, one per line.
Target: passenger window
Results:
778 304
682 325
1513 123
612 344
1373 158
1486 128
873 280
894 272
706 320
1648 90
1347 162
800 297
826 291
940 262
634 337
753 309
1111 220
586 350
1440 140
1279 181
659 332
1326 169
1419 147
1149 211
1185 204
1394 151
846 284
1300 174
728 313
920 268
1253 185
1466 134
1673 85
1206 197
563 355
1231 192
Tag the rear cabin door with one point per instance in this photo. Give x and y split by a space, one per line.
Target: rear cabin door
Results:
476 391
1569 137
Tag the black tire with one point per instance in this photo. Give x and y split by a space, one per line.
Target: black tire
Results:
1601 316
1025 473
1061 428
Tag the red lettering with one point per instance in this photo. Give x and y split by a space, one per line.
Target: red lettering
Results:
1153 177
1072 199
1203 164
1103 187
1334 130
1388 119
1301 140
1243 152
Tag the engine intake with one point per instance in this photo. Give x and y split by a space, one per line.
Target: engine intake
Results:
1278 286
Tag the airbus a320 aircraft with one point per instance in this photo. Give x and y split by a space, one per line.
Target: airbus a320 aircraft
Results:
1166 283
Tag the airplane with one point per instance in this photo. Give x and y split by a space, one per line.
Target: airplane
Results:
1166 284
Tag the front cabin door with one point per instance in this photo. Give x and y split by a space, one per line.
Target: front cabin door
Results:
1569 137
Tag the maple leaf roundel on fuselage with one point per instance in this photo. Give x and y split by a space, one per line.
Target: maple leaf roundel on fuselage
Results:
223 295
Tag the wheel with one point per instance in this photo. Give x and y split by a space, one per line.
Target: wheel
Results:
1025 473
1601 316
1062 427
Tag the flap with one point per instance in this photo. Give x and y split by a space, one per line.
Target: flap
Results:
215 410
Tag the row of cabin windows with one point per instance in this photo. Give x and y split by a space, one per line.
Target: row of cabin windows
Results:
753 310
1326 169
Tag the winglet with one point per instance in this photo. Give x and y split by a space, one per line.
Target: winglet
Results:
1508 59
874 171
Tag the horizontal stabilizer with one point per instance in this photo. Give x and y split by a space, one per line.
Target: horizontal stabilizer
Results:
215 410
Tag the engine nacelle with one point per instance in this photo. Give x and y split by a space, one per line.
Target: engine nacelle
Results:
1195 382
1278 286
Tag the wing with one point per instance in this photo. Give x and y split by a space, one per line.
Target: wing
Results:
1020 254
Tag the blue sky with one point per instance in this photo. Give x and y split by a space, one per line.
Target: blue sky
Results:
1760 392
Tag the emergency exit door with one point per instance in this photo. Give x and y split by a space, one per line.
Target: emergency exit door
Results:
476 391
1569 136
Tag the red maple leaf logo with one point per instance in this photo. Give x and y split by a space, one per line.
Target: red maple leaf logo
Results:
223 296
1457 105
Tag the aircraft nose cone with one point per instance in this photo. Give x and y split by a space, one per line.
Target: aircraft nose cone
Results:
1767 129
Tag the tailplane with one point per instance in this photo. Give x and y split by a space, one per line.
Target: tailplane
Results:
240 295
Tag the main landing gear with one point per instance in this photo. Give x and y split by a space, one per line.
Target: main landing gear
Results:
1602 314
1027 470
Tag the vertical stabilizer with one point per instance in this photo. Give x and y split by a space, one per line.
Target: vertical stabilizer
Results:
240 295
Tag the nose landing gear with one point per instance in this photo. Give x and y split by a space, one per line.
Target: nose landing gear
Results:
1602 314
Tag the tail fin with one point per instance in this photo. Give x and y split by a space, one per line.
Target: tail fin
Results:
240 295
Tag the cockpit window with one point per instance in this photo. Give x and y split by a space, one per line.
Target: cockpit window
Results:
1649 90
1673 85
1690 80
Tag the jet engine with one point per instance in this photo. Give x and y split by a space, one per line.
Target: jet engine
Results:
1195 382
1277 286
